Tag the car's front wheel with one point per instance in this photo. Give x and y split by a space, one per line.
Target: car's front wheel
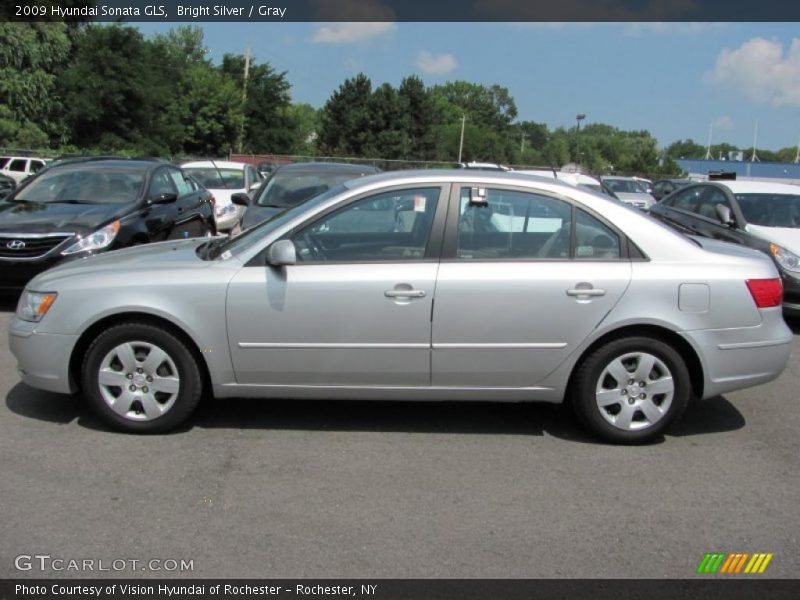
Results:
631 389
138 377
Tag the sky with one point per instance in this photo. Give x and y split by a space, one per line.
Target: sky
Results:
676 80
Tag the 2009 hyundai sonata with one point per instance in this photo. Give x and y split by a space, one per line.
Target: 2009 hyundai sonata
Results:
432 285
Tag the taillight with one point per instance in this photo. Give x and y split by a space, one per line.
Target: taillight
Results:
766 292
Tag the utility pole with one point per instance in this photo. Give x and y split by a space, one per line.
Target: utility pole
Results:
797 156
580 117
710 131
461 143
244 97
521 145
754 156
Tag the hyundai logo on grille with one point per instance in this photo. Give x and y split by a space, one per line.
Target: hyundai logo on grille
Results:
15 245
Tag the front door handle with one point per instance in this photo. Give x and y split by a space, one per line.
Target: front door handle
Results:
586 292
404 293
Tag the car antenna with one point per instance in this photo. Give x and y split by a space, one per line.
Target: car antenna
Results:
221 178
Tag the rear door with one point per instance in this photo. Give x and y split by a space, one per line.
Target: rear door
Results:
159 218
524 279
189 220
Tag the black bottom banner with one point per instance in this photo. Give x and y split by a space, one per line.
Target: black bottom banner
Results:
401 589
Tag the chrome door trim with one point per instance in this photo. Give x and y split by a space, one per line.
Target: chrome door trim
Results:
324 346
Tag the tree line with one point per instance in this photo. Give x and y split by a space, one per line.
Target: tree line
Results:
91 88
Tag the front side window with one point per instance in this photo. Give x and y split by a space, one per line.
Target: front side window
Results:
707 206
685 200
183 185
161 184
391 226
36 165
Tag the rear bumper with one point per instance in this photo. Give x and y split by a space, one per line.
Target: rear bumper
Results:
42 358
734 359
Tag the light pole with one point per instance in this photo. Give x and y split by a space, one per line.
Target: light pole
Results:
579 117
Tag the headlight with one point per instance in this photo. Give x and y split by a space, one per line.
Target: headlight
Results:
95 241
33 306
226 209
788 260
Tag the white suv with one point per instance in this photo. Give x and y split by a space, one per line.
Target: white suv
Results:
19 167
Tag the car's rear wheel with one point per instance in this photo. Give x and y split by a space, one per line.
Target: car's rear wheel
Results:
138 377
631 389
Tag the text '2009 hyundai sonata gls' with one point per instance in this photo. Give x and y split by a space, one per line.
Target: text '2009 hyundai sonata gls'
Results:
428 285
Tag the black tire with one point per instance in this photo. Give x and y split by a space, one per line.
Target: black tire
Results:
178 407
586 397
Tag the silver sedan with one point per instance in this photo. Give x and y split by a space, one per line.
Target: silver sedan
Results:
430 285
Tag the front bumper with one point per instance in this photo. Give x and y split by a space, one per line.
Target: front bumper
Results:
742 357
42 358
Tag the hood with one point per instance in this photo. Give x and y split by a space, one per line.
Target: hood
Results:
788 237
257 214
40 217
176 254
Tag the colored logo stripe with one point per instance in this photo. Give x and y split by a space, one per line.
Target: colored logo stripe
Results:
720 562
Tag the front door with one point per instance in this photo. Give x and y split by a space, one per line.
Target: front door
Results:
356 308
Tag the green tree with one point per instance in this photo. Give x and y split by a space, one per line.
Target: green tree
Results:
419 109
345 119
266 124
30 55
492 107
304 120
687 148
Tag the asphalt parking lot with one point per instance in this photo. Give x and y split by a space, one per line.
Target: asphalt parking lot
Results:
351 490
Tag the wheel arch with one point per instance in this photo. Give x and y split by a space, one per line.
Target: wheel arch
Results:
91 332
680 344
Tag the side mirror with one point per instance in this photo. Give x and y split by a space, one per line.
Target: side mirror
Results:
725 215
164 198
241 199
282 253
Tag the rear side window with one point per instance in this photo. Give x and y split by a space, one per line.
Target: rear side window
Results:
523 225
18 165
513 225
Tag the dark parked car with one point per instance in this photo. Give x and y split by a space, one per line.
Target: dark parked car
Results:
761 215
7 186
664 187
293 184
87 206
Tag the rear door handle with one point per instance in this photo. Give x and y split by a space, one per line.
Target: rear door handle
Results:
404 293
586 292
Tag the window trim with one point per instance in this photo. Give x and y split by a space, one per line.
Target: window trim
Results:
450 241
433 249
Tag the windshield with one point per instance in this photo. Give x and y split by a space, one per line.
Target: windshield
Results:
288 188
771 210
84 186
254 235
217 179
625 186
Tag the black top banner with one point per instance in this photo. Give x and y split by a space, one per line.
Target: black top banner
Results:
399 10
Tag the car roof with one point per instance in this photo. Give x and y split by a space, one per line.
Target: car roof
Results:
453 175
327 166
758 187
222 164
133 164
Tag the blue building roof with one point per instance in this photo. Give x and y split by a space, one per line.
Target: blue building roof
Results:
742 168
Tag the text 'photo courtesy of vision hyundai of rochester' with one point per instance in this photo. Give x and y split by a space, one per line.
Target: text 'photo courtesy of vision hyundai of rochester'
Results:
421 285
